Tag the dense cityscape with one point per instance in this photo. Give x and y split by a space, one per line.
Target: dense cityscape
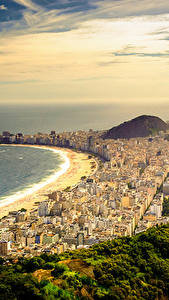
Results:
123 196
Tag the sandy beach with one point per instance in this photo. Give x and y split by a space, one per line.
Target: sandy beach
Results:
75 165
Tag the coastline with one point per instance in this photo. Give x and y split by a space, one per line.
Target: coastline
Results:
75 166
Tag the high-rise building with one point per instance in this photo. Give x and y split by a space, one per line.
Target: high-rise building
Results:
4 247
80 239
44 209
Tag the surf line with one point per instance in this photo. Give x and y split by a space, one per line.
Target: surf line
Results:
29 192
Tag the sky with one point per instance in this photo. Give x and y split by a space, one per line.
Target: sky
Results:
84 51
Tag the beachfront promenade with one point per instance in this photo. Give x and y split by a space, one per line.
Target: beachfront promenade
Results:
121 197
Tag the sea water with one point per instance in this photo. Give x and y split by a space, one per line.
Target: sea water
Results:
24 167
30 119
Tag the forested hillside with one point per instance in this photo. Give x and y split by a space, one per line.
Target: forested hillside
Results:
141 126
124 268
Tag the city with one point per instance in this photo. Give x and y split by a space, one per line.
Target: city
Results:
123 196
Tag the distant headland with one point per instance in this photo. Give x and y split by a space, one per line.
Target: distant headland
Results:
141 126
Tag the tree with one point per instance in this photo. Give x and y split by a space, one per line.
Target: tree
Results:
59 270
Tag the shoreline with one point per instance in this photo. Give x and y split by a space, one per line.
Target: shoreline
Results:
75 166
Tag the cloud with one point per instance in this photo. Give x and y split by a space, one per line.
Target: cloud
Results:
28 4
161 31
75 47
44 15
3 7
94 78
162 34
110 63
141 54
11 82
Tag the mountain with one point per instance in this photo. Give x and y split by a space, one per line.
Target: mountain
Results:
141 126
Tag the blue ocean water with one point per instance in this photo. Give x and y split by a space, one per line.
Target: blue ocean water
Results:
22 167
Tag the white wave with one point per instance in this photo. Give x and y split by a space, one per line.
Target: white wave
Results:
35 188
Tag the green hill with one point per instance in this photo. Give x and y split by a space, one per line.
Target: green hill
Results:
125 268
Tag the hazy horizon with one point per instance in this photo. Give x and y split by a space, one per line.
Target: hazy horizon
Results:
31 119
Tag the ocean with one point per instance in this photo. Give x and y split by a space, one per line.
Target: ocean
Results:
30 119
24 167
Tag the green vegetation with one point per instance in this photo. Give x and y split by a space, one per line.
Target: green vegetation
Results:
166 207
67 189
160 189
153 131
130 186
23 210
127 268
83 177
59 270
